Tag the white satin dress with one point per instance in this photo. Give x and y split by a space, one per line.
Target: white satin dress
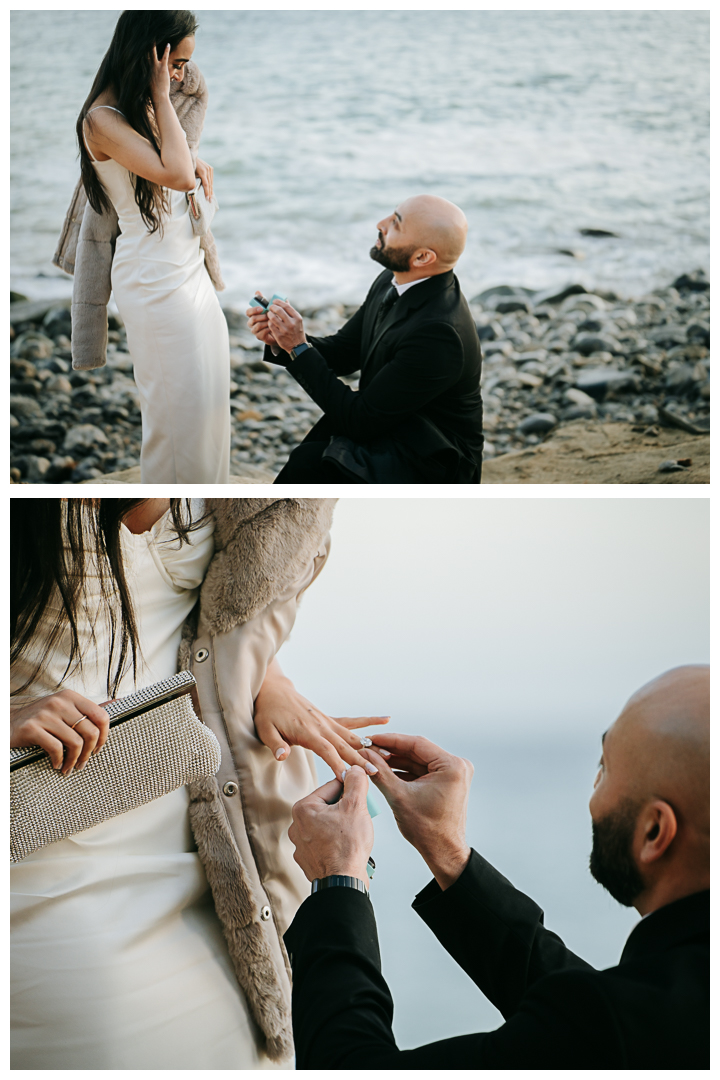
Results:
118 959
177 336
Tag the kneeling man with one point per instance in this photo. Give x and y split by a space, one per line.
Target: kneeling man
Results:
650 814
417 414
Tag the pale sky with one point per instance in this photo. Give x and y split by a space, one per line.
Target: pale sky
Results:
514 615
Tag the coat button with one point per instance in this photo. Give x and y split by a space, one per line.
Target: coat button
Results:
201 654
265 913
230 788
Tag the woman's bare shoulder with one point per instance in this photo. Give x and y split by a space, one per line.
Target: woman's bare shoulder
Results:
104 125
104 113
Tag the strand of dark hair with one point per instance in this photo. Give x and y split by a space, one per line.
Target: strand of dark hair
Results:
126 69
53 543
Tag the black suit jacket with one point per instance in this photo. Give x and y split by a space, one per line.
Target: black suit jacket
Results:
652 1011
419 382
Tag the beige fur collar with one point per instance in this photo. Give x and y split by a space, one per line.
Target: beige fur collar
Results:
260 547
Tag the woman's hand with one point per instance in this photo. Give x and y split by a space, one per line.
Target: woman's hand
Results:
259 326
205 173
284 718
64 724
160 77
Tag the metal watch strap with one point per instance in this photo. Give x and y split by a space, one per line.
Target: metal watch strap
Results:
340 880
299 349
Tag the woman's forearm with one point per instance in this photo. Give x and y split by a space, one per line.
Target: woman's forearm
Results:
274 673
174 150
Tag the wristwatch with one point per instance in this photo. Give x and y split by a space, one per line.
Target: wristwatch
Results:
294 353
340 880
344 881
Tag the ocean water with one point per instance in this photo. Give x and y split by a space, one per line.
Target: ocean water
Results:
528 816
538 123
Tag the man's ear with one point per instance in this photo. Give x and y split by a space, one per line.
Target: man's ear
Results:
424 258
656 830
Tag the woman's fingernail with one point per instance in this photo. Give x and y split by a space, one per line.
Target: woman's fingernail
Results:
385 753
372 769
343 774
364 741
280 752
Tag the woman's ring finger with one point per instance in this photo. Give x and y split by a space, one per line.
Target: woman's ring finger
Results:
73 726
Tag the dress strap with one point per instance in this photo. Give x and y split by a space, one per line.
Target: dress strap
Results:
103 107
86 116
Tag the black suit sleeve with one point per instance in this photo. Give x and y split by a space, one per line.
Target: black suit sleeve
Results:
495 933
341 351
342 1007
425 364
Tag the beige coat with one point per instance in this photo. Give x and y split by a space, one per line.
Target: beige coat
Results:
87 241
267 553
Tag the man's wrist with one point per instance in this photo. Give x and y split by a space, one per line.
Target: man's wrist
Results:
359 872
447 866
299 349
340 878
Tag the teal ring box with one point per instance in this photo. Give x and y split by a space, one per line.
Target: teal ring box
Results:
275 296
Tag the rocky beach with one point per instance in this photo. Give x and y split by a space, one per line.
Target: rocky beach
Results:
566 359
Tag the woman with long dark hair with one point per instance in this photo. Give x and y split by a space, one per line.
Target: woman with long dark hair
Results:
154 939
135 158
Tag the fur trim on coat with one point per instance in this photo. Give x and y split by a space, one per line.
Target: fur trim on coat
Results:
237 909
260 546
265 551
87 242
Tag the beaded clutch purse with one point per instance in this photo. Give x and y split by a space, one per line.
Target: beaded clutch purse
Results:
155 744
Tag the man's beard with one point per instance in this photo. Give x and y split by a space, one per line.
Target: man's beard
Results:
395 259
611 859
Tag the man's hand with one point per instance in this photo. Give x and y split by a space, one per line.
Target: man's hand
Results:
286 325
259 326
427 790
334 837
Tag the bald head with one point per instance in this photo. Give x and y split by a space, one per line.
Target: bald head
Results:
654 782
423 237
438 224
663 737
